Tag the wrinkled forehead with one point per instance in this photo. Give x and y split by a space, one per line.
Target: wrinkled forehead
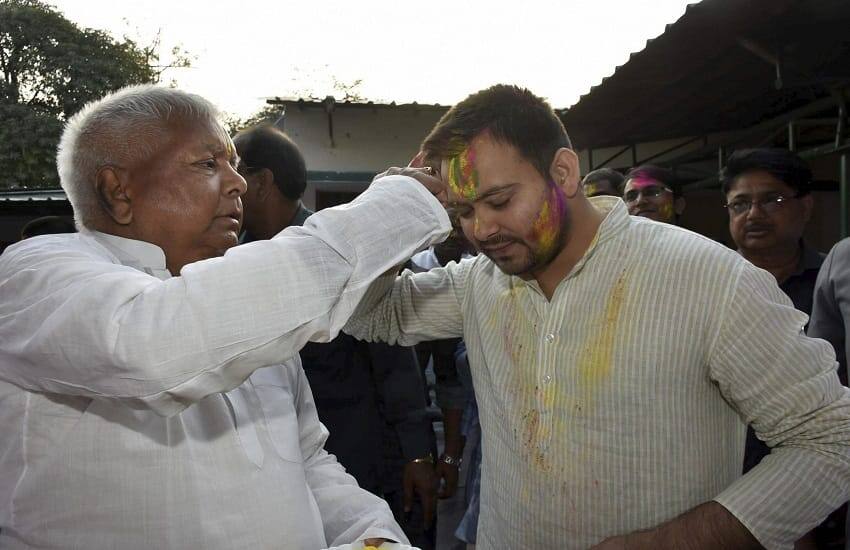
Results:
201 134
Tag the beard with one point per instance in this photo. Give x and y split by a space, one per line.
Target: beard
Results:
520 257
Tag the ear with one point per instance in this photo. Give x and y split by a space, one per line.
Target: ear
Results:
111 192
808 203
679 205
263 180
564 171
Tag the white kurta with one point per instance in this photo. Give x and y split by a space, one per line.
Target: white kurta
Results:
618 404
115 433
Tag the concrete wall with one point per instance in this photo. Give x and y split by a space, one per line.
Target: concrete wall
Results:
365 140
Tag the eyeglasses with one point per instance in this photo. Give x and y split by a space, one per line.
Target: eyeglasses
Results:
769 205
649 192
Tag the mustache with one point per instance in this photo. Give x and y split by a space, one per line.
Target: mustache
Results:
497 240
756 226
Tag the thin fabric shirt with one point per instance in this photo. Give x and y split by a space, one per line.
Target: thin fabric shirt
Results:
140 410
622 402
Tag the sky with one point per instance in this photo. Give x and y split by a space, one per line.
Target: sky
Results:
436 51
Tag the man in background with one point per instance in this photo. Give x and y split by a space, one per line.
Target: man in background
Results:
370 396
654 193
602 182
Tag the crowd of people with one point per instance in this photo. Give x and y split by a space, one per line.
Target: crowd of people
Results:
206 363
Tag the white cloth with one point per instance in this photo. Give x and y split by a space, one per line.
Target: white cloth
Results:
115 433
427 260
619 404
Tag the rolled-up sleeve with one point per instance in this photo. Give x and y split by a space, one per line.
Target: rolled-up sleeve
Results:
785 385
73 322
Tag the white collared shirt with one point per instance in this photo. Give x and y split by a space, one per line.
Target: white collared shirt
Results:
618 404
138 410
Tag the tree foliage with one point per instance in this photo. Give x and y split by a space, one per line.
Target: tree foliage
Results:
51 68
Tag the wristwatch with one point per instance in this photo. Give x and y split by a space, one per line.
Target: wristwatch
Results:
450 460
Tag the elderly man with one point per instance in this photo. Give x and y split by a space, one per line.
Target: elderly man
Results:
143 401
614 357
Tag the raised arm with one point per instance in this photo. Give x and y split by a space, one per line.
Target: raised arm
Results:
414 307
75 324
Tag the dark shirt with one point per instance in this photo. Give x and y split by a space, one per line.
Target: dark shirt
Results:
831 310
371 398
800 287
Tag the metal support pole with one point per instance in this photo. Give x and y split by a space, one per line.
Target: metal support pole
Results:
634 155
589 159
845 195
721 157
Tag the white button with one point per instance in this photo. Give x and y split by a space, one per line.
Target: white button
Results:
550 338
547 378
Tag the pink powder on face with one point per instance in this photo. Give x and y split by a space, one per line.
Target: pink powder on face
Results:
642 183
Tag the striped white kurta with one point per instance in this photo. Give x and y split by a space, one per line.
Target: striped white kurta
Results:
621 403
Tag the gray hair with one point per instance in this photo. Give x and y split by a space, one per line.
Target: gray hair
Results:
116 130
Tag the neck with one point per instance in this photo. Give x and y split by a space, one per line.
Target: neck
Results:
780 261
277 215
584 224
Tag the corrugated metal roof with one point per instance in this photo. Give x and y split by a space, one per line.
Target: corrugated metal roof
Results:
32 195
313 102
705 72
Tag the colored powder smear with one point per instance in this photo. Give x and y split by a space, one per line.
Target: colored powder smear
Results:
590 189
641 183
547 227
667 210
595 361
462 176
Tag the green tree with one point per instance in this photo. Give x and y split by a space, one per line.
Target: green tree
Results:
50 69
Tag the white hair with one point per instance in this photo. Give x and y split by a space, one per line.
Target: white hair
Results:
116 130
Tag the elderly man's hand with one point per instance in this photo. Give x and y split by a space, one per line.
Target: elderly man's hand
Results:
374 542
424 175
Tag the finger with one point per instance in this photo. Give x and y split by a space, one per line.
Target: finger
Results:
418 161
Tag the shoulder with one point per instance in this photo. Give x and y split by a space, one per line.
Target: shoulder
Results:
674 243
51 249
841 250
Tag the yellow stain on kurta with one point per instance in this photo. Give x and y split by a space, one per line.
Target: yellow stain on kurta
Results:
594 364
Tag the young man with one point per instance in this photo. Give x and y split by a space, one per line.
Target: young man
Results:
614 357
654 193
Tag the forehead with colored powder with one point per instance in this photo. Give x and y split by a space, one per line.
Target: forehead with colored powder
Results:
641 182
462 176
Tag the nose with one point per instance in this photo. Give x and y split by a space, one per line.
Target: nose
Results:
756 211
483 227
234 185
